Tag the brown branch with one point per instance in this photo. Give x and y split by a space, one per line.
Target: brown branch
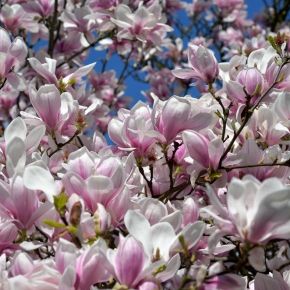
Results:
52 23
224 109
61 145
286 163
80 52
250 112
148 181
3 83
169 192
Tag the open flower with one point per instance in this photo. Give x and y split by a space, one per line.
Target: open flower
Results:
12 54
260 212
145 24
202 64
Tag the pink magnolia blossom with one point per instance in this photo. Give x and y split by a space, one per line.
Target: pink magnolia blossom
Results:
16 196
42 7
92 266
226 282
32 274
252 80
47 104
249 206
96 180
145 24
133 130
78 21
8 234
202 65
14 17
129 261
178 114
182 192
12 55
205 152
266 282
48 72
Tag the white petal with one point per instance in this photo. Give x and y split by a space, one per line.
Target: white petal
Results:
16 128
99 183
34 137
162 235
38 178
171 268
16 157
138 226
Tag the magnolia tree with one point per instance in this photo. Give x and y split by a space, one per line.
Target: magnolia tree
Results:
189 189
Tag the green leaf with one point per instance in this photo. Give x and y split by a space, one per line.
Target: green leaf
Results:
54 224
60 203
275 45
71 229
272 41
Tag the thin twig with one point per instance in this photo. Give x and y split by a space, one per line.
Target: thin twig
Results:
249 113
52 23
80 51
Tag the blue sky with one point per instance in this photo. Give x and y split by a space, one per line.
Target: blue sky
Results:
254 6
135 88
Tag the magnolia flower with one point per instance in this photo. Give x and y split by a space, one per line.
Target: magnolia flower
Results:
145 23
129 261
248 86
281 107
61 113
14 17
12 54
132 265
42 7
133 130
78 20
250 154
14 197
92 266
260 212
251 80
95 179
19 143
178 114
229 4
205 152
265 282
202 65
160 241
8 234
48 72
32 274
225 282
47 103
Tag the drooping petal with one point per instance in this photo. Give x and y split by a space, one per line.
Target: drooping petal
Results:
38 178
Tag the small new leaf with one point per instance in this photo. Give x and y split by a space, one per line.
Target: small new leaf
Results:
54 224
72 230
275 44
60 203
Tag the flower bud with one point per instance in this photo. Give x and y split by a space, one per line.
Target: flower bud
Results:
129 261
252 80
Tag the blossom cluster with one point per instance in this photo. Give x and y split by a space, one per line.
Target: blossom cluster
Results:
175 192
